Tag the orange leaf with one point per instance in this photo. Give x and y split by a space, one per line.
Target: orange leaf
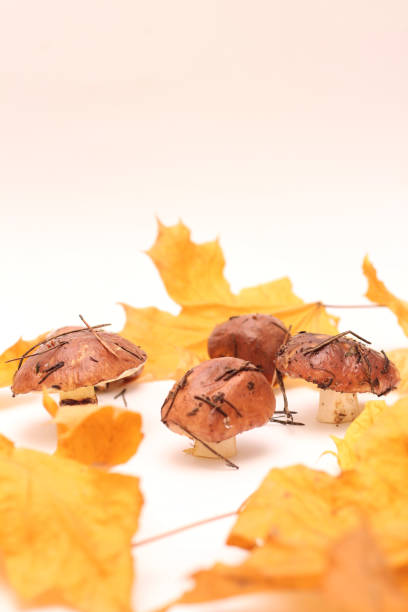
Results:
378 293
346 447
354 578
358 578
303 527
49 404
65 531
193 277
293 506
95 434
7 370
191 273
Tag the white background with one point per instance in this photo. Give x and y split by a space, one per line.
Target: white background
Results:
279 126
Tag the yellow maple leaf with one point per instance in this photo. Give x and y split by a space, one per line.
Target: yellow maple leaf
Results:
293 504
358 578
191 273
287 506
354 578
377 292
293 522
346 456
94 434
193 277
49 404
18 349
376 441
65 531
400 358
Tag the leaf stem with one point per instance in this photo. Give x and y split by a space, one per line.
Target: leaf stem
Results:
354 306
172 532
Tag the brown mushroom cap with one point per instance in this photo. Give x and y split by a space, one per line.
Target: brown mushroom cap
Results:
76 360
253 337
219 399
344 365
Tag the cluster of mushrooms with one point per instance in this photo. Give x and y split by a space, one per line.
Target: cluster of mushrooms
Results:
231 392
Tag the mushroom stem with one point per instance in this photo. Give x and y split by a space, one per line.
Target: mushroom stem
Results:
336 407
226 448
76 397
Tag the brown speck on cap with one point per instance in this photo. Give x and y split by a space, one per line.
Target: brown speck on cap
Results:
67 365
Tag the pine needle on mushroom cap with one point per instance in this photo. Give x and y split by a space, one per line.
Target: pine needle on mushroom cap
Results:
342 364
219 399
77 360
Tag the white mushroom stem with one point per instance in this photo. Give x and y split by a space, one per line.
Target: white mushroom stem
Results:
335 407
78 397
226 448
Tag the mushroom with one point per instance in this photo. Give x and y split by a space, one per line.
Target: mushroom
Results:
75 359
215 401
340 367
253 337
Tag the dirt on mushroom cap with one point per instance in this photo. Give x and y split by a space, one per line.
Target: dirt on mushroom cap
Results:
343 365
219 399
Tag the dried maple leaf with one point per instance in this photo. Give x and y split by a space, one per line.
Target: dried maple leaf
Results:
191 273
292 505
65 531
378 293
193 277
290 501
358 578
12 353
346 446
355 578
297 515
95 434
376 446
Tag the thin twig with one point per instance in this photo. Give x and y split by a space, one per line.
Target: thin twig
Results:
220 397
172 532
173 394
41 353
312 349
206 400
73 331
285 411
285 399
128 351
121 393
106 346
363 355
246 367
386 363
51 370
286 338
207 446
